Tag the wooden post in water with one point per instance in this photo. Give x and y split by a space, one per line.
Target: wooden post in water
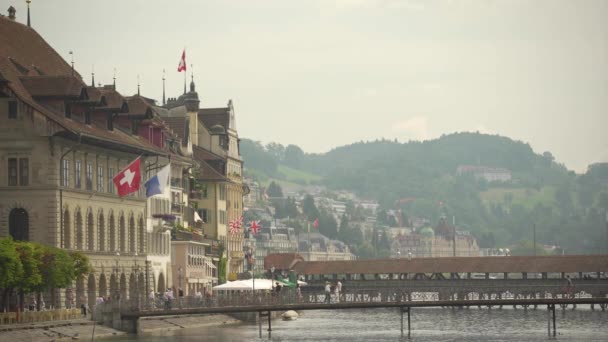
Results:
270 326
260 322
409 330
549 320
553 310
401 312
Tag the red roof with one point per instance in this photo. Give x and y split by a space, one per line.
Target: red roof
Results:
510 264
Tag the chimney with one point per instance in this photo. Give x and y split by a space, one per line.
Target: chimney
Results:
11 12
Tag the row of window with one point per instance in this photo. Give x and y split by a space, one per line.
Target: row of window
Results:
88 176
88 233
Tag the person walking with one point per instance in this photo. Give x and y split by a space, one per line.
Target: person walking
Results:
338 290
327 293
298 293
569 287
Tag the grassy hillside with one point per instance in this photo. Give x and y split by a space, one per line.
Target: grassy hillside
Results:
527 197
298 176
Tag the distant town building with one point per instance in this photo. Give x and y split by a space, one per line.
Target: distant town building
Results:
317 247
427 242
271 240
490 174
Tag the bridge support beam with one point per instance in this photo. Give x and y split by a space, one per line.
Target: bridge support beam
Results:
409 329
261 315
551 317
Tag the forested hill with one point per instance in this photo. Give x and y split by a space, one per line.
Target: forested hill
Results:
388 170
567 209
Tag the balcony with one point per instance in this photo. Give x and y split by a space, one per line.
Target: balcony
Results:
176 208
196 195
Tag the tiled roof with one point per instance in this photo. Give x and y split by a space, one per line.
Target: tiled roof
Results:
207 171
138 105
179 125
204 154
57 85
511 264
113 99
25 56
25 46
215 116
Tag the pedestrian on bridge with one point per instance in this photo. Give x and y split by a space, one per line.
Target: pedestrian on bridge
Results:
338 290
569 287
327 292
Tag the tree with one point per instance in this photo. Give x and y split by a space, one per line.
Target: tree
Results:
81 264
291 209
58 270
309 208
30 255
327 224
526 247
344 232
274 190
11 269
276 150
294 156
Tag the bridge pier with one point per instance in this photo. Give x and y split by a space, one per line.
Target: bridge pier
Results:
262 314
551 317
409 330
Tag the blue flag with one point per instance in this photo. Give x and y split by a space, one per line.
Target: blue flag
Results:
157 184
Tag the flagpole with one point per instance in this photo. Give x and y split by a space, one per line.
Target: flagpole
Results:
309 246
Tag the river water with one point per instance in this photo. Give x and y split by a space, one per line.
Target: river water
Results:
428 324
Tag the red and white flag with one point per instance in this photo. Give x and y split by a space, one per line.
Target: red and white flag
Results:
234 226
182 62
316 223
128 180
255 227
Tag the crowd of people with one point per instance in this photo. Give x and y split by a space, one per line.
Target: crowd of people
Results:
335 289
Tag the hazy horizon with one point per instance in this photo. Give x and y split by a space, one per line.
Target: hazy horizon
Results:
327 73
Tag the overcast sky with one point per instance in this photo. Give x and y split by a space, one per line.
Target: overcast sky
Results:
325 73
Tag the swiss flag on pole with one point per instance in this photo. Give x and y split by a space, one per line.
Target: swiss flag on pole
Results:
127 180
182 62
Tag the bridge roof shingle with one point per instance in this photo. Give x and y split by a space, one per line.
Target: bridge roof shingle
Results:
510 264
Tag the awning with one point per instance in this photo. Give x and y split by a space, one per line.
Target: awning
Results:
210 264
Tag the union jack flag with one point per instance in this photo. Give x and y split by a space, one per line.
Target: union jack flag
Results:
255 227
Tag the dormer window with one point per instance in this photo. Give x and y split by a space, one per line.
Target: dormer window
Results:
224 141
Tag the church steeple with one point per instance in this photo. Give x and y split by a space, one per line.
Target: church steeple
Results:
192 87
28 13
164 102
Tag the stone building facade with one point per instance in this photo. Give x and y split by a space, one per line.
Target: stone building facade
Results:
61 143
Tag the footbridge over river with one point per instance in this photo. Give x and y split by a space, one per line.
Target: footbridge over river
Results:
526 282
